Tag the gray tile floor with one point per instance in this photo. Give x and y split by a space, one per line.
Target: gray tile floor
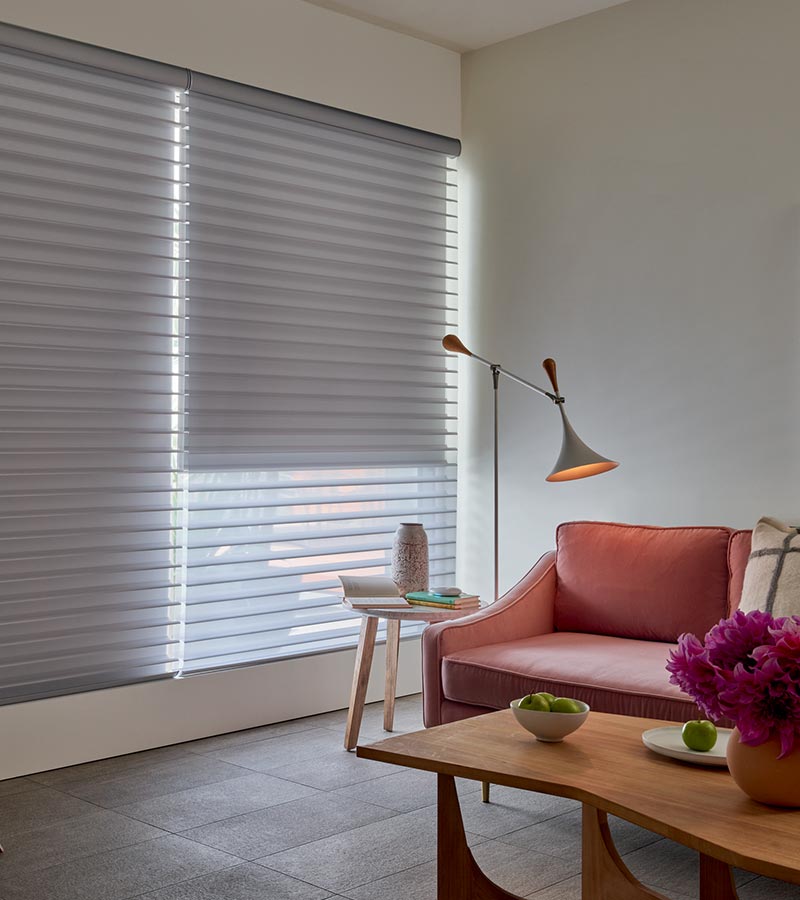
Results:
283 813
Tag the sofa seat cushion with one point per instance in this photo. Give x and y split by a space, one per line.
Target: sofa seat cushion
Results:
616 675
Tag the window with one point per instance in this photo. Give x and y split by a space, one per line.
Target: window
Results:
221 376
320 407
90 577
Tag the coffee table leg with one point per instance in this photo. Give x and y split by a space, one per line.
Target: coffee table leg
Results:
716 880
358 693
605 876
458 875
392 655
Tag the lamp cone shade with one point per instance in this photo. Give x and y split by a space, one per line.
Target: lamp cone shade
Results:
576 460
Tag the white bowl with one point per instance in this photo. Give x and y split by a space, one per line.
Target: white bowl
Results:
550 727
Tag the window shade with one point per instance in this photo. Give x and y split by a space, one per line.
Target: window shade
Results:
322 276
266 549
320 407
90 374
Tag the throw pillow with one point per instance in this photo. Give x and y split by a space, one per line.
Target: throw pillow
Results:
772 577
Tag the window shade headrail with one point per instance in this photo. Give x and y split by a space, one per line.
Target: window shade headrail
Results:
14 37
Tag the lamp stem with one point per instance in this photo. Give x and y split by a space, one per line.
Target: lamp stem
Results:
495 393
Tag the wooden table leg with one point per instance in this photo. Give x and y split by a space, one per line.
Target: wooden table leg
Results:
605 876
458 876
366 648
716 880
392 654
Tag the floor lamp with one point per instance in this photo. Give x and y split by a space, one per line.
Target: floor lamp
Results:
576 460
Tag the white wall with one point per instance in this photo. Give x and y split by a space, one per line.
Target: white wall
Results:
283 45
631 206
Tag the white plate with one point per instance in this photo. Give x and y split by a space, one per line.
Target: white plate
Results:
667 741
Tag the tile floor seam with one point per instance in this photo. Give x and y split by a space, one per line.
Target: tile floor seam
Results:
156 837
351 887
122 774
277 806
173 884
326 790
511 831
206 875
245 772
549 887
131 818
118 811
242 743
184 835
97 808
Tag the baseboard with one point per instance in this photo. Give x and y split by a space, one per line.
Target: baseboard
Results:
65 731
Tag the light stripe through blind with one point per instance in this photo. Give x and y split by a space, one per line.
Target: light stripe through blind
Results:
320 407
90 373
265 549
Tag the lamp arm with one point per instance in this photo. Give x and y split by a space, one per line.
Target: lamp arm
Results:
556 398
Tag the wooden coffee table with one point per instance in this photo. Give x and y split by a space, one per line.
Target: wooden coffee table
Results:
605 766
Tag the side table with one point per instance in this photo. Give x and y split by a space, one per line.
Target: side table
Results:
364 654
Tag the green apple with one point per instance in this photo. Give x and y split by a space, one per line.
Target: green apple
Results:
548 697
565 705
699 734
534 702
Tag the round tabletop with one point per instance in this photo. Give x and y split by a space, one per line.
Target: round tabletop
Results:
417 613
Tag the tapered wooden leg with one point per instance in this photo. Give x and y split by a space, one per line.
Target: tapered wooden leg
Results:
485 786
716 880
605 876
458 876
366 648
392 654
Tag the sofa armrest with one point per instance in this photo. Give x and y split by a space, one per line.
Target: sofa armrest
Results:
526 610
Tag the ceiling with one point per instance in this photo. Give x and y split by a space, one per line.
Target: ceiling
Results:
464 25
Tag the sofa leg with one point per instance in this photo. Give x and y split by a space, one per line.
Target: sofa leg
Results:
485 791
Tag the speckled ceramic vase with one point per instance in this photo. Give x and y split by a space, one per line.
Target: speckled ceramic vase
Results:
761 775
410 558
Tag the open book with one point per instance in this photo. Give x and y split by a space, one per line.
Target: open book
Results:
372 592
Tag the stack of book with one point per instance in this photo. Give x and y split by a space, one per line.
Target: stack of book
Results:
442 601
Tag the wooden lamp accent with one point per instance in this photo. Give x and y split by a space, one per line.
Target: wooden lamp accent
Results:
453 344
549 365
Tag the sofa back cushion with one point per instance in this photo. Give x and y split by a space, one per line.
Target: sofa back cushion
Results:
639 581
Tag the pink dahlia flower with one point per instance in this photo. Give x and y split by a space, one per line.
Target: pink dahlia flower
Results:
746 669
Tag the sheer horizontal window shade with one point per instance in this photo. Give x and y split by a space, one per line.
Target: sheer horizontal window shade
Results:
186 465
266 549
322 274
321 411
90 378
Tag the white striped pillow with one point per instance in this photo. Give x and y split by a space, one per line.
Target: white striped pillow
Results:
772 577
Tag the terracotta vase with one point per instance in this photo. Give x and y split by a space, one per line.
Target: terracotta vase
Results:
761 775
410 558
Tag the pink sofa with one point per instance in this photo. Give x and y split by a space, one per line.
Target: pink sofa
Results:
595 620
